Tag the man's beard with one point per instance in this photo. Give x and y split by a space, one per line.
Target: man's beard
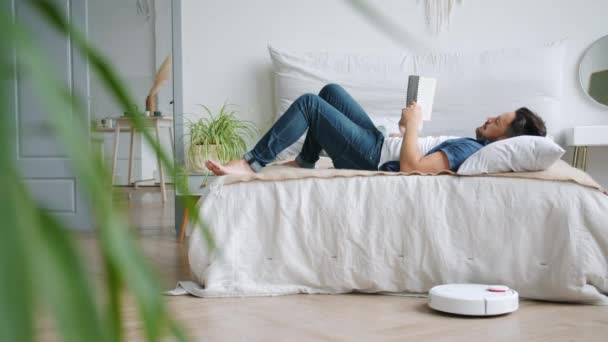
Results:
478 134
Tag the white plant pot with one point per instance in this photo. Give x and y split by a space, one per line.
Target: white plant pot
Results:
198 154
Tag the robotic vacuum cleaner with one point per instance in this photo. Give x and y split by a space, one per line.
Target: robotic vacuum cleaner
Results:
473 299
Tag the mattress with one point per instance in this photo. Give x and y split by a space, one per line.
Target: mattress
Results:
385 233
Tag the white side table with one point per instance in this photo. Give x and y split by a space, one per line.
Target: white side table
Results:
158 122
581 137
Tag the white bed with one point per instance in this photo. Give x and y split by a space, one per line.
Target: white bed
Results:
546 239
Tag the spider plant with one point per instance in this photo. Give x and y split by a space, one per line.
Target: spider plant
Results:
220 136
42 269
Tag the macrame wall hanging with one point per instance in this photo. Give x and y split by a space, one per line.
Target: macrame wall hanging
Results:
438 14
144 8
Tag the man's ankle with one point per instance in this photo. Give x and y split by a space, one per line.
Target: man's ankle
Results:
253 163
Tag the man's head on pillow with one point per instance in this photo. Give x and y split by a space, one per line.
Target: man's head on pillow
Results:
520 122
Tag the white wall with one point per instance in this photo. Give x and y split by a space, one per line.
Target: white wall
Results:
136 45
225 45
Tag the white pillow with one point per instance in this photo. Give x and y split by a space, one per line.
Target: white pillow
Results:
471 85
522 153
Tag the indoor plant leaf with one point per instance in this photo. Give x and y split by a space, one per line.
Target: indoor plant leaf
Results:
123 261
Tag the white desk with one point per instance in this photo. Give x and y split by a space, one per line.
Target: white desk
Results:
581 137
158 122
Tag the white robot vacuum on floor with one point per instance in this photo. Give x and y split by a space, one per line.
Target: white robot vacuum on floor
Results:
473 299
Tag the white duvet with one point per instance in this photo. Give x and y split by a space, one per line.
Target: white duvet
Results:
548 240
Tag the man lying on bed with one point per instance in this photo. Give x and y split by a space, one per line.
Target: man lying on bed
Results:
337 124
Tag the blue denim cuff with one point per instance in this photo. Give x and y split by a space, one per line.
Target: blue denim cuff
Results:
255 165
304 164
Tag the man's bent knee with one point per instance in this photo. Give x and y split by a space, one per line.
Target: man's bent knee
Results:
307 100
330 88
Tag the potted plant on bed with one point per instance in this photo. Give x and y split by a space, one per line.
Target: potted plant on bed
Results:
219 136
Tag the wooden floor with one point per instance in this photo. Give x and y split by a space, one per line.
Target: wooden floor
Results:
352 317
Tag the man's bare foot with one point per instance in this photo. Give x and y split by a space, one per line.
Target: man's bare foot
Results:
235 167
291 163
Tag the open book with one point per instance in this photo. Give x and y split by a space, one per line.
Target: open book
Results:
421 90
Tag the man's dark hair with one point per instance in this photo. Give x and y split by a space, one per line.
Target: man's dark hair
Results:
526 122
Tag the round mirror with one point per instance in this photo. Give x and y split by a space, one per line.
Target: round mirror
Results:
593 71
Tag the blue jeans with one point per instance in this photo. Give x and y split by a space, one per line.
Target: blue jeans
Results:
336 123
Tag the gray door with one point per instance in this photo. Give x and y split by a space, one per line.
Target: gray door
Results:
40 157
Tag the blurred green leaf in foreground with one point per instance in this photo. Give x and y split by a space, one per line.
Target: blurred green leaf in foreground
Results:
40 263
